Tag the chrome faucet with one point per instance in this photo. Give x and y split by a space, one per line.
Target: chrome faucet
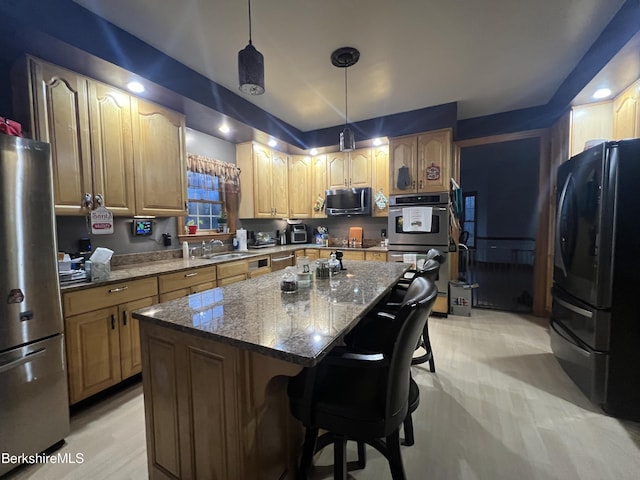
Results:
216 243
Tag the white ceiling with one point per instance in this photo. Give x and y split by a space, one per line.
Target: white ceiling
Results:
490 56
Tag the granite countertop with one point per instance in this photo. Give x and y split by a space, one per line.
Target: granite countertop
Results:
153 268
296 327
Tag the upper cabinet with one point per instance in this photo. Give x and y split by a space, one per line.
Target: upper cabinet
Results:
97 133
626 113
420 163
300 192
380 178
318 185
159 153
349 169
264 181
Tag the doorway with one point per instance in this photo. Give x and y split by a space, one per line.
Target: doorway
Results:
500 191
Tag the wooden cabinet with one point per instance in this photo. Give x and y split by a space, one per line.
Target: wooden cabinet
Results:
232 272
102 340
312 253
99 136
420 163
264 181
214 411
376 256
301 198
380 178
180 284
626 113
160 160
346 254
318 184
349 169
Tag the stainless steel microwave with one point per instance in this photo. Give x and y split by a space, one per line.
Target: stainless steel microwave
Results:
348 201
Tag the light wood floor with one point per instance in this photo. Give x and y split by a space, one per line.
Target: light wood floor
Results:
498 407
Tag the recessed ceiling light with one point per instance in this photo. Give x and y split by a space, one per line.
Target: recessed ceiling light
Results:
135 87
272 143
224 128
602 93
377 142
314 151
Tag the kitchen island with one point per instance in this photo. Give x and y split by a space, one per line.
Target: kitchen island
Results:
215 368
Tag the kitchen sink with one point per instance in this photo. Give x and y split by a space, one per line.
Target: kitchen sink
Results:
226 256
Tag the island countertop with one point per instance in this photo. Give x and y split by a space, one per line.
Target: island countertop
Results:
296 327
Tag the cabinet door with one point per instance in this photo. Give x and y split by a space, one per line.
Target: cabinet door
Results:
280 183
300 200
318 183
93 352
263 208
130 362
434 161
160 165
337 171
112 147
360 168
60 115
380 178
626 114
403 154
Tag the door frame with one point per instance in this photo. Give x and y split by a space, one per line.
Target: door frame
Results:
541 265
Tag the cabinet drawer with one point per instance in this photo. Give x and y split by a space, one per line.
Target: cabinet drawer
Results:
282 260
168 296
229 280
178 280
352 255
232 269
203 286
91 299
376 256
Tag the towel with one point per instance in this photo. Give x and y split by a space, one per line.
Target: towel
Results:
404 178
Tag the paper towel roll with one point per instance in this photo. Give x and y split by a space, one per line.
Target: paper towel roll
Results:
241 235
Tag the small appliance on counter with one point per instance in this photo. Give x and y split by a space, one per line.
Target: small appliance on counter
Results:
262 240
296 231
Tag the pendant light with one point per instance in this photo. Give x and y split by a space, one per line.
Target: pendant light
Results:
345 57
251 67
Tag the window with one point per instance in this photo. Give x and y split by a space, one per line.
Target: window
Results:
469 224
204 203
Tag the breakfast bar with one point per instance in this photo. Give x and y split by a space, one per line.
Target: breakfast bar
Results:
215 366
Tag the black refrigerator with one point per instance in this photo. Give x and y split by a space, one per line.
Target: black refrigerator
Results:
595 317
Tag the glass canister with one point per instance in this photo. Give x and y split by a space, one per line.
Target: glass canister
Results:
334 264
322 268
289 281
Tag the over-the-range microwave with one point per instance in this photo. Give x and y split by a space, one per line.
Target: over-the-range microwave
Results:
348 201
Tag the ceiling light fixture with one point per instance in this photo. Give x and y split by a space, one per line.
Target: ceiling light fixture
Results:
314 151
272 143
377 142
135 87
345 57
224 128
251 67
602 93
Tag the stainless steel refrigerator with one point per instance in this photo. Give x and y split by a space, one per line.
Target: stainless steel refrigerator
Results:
34 412
595 318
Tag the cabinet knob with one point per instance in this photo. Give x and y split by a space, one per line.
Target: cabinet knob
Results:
421 183
87 201
345 182
99 199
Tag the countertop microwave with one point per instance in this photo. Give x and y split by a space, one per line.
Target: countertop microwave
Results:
348 201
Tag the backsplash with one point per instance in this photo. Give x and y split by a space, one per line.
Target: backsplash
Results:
71 229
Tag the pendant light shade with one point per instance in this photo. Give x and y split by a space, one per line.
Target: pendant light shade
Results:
347 140
251 67
343 58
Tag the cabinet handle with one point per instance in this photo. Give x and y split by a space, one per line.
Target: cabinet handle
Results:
113 322
186 206
413 184
99 199
190 274
87 201
281 258
350 183
420 184
345 182
119 289
124 318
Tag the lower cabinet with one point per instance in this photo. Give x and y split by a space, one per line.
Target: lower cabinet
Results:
376 256
215 411
180 284
279 261
346 254
232 272
103 345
